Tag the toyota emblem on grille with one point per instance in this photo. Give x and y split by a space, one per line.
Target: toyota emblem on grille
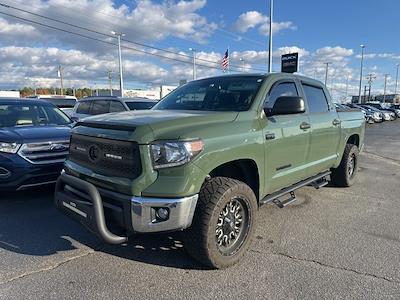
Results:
94 153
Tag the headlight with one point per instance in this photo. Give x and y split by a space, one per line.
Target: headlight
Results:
9 147
173 153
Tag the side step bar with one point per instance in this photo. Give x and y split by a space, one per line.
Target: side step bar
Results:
316 181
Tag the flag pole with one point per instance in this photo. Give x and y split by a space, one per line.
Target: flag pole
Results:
229 59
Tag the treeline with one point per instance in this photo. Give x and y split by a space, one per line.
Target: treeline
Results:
79 93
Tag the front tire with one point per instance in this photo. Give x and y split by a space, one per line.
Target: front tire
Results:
344 175
223 224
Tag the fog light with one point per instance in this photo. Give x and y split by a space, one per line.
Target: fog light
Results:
162 213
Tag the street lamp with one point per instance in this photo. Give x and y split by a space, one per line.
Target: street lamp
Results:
384 88
271 12
194 62
243 66
326 72
121 80
397 77
361 71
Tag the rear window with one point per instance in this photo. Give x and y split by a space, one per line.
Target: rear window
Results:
316 99
62 103
139 105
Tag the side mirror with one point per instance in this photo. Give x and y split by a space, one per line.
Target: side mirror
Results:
287 105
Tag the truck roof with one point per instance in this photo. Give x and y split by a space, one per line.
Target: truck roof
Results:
265 75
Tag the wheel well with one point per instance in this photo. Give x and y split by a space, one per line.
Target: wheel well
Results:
244 170
354 140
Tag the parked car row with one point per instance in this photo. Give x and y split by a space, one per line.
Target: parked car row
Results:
374 112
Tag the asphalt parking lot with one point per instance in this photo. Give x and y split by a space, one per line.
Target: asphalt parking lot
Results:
332 243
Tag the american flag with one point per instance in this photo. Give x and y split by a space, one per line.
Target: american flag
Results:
225 61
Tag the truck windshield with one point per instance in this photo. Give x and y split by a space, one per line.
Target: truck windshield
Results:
230 93
16 115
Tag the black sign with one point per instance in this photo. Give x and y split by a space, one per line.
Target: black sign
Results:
290 63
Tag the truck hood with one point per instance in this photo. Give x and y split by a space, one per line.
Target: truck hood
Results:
146 126
29 134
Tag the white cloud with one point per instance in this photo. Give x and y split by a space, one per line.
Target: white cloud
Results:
253 19
380 55
249 20
38 66
276 27
147 21
260 57
332 54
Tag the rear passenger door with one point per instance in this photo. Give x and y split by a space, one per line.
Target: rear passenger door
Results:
286 141
325 128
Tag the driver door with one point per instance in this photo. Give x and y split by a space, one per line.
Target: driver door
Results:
286 143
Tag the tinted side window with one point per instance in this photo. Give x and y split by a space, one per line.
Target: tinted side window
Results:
316 99
83 107
116 106
282 89
100 107
140 105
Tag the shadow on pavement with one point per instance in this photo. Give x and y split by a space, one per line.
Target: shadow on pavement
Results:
31 225
158 249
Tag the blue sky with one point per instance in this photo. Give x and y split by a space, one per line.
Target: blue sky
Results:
322 31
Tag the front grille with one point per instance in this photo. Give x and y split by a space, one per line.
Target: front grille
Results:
45 152
106 157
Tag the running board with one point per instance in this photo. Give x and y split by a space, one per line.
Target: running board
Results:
316 181
282 204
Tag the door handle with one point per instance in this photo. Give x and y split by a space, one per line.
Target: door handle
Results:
336 122
305 126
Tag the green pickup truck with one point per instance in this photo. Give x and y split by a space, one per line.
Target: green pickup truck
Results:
205 158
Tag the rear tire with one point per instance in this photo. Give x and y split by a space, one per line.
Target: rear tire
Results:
223 224
344 175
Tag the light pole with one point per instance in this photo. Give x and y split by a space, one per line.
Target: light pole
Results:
121 80
60 74
384 88
397 77
243 66
271 12
194 62
109 74
326 72
361 71
370 78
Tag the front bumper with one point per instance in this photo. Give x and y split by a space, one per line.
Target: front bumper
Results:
18 174
102 210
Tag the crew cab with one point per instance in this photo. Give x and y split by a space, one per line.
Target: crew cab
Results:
34 140
205 158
